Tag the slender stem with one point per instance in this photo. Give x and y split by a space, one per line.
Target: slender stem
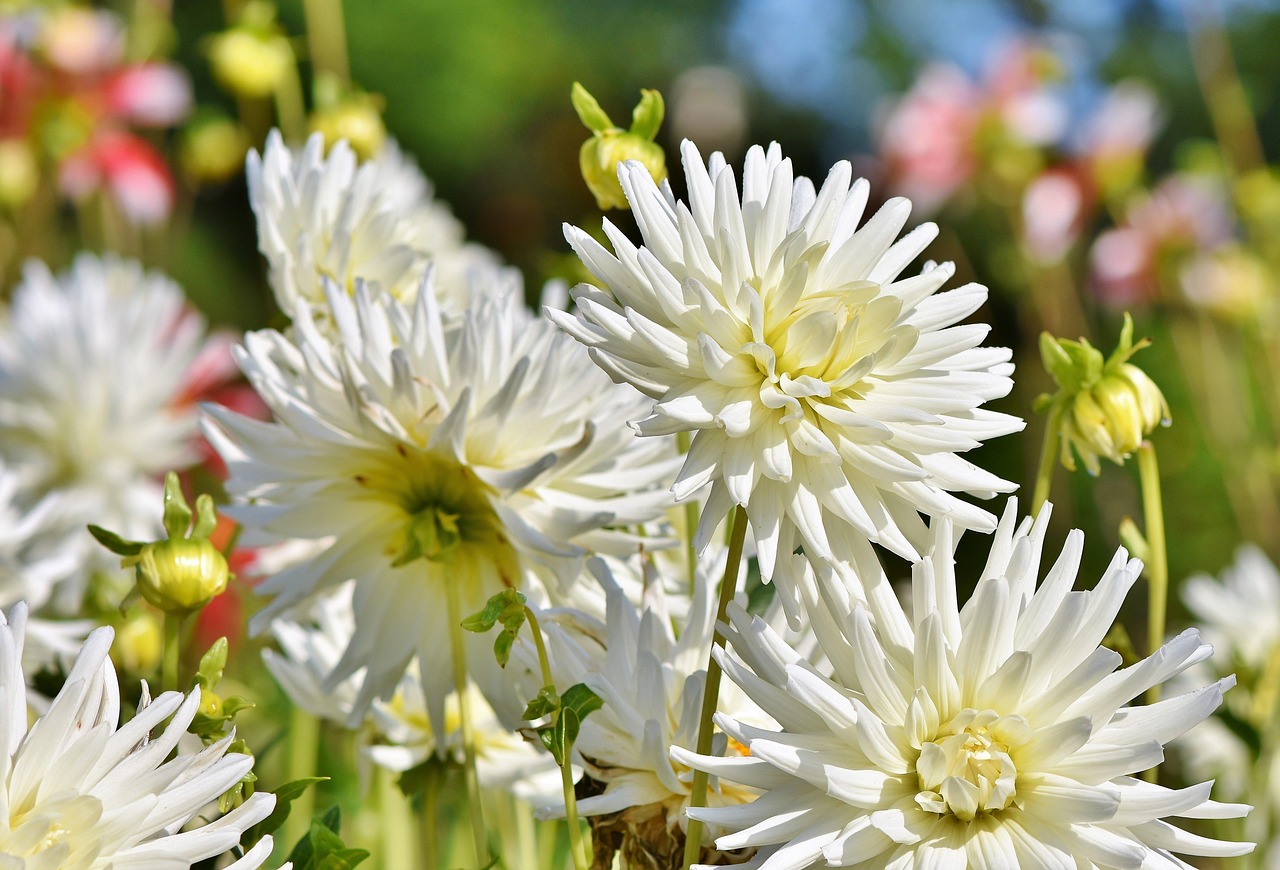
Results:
290 106
327 38
304 747
577 846
683 442
459 657
1048 459
395 821
1224 93
429 819
1158 565
172 651
711 689
1266 707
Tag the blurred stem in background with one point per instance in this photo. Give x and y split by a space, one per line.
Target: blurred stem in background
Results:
327 39
304 748
1224 94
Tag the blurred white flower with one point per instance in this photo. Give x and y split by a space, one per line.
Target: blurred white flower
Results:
326 217
80 792
487 446
827 395
1239 614
311 643
94 403
990 736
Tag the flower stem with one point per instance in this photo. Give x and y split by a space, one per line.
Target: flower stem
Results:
327 38
683 442
1158 567
711 689
577 846
172 650
479 842
1048 459
304 746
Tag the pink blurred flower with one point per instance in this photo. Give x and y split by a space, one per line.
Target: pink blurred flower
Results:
149 94
1124 123
1054 208
130 169
83 41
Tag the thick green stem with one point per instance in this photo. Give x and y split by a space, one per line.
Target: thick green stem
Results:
459 656
395 822
1048 459
172 652
304 748
577 846
683 442
1157 564
711 689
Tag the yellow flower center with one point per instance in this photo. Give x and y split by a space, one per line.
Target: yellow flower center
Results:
968 769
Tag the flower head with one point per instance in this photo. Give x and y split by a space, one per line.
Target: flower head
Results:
327 218
991 736
828 394
483 452
94 368
80 792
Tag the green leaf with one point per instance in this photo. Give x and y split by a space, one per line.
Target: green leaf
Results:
115 543
581 700
177 515
502 646
285 796
544 703
647 116
589 111
342 859
498 608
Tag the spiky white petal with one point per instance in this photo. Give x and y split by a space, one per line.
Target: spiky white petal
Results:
493 419
78 791
827 391
94 369
992 736
326 217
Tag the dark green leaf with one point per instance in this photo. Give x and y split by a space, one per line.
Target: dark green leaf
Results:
285 796
115 543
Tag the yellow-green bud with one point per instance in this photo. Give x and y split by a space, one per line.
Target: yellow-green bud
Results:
19 172
181 575
610 145
1104 409
210 703
250 62
357 119
213 148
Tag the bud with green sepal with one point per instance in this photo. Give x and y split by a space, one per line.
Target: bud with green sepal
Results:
610 145
1103 408
182 573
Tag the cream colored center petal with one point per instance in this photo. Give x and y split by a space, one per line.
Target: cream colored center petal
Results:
970 770
57 827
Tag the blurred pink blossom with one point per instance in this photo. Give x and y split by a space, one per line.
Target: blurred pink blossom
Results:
149 94
1054 208
130 169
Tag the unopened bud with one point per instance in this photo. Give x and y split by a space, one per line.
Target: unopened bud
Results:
610 145
181 575
357 118
213 148
1104 409
250 62
19 172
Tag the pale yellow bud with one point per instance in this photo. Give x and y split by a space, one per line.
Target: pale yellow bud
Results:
213 149
179 576
1119 403
358 120
250 63
19 172
600 156
139 642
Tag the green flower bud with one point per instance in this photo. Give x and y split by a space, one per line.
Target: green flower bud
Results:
181 575
19 172
1102 409
213 148
610 145
250 62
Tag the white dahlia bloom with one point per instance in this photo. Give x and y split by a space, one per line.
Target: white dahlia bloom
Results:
651 678
95 366
487 446
311 643
80 792
993 736
327 217
1239 614
825 390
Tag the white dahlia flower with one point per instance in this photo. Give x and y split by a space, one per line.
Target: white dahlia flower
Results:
650 677
1239 614
328 217
311 643
95 366
825 390
993 736
487 446
78 791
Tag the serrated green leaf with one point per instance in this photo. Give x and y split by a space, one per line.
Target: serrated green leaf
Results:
177 515
115 543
